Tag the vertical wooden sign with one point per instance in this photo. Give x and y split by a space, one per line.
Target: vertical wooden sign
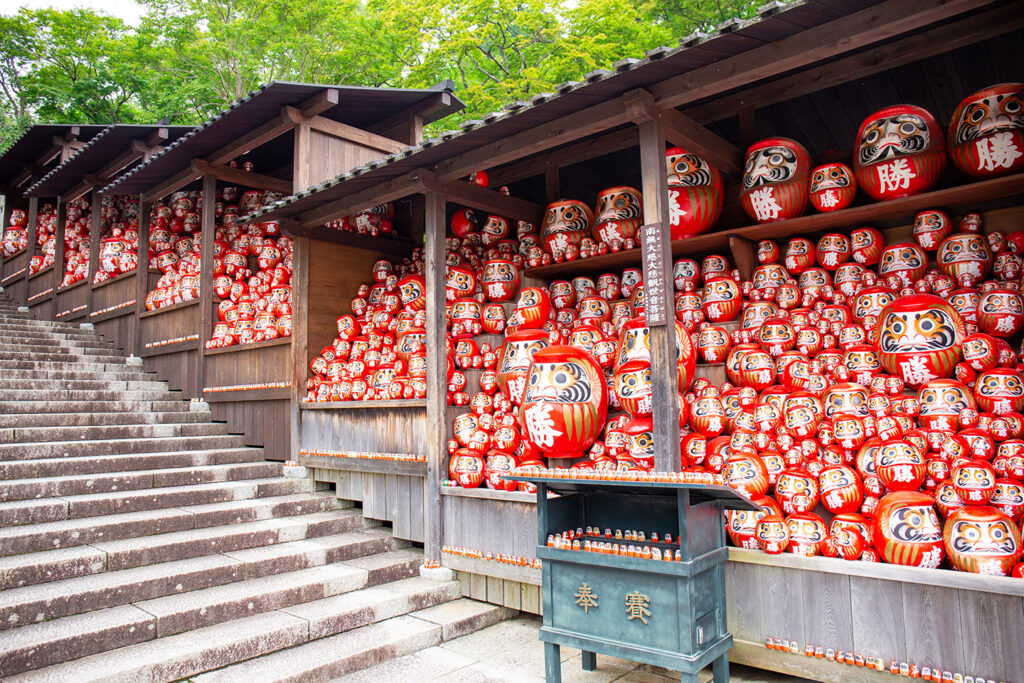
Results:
654 274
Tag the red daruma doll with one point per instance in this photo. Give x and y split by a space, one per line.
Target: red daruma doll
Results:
565 404
986 135
695 191
901 151
775 180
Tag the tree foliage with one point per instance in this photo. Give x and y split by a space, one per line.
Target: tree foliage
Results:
187 59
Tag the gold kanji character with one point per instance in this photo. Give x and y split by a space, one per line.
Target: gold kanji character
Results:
636 606
586 598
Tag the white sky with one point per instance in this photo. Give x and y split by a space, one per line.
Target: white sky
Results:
128 10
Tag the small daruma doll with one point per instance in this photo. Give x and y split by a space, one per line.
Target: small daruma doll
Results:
986 134
982 540
901 151
930 228
906 262
832 187
919 338
695 190
1000 391
964 257
775 180
566 223
565 403
772 534
906 530
1001 312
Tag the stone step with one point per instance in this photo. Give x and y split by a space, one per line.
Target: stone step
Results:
124 373
15 435
252 504
46 366
55 356
33 604
39 510
35 407
19 332
65 563
48 384
130 462
91 447
54 347
101 419
89 395
60 486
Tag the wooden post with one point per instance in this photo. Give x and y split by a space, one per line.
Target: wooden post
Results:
300 337
95 228
664 369
437 398
208 235
552 192
141 271
58 253
33 216
300 163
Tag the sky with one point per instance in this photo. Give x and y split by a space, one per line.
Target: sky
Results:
128 10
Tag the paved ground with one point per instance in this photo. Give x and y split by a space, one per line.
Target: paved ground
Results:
510 652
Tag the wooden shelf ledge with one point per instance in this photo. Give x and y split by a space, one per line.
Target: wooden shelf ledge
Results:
493 494
400 467
45 271
116 278
72 286
172 307
255 346
970 197
363 405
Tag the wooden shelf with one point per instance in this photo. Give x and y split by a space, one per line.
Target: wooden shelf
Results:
363 405
172 307
15 254
243 395
491 568
44 271
165 349
492 494
74 285
281 341
407 468
122 276
970 197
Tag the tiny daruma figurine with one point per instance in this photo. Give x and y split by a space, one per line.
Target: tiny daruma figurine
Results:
900 151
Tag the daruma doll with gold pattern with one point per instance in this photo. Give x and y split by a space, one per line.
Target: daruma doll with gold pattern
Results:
901 151
832 187
964 255
982 540
776 180
905 261
695 190
986 134
906 530
565 404
618 214
513 361
566 223
919 338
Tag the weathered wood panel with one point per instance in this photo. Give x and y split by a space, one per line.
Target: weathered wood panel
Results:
40 293
180 370
330 156
264 423
72 303
13 280
386 497
121 329
376 430
508 527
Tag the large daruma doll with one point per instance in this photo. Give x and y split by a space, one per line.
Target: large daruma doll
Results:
982 540
695 190
907 530
565 403
986 135
776 180
901 151
919 338
513 361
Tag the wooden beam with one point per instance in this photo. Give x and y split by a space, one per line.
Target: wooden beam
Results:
399 187
302 171
412 117
872 25
346 132
250 141
476 197
567 129
175 182
70 149
595 146
321 102
928 43
684 131
246 178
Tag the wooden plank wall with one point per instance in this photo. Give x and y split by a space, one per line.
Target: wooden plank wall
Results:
394 498
178 364
330 156
14 276
381 430
119 326
42 306
508 527
264 423
70 298
973 632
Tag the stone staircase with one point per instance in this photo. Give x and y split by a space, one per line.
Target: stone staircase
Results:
140 541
